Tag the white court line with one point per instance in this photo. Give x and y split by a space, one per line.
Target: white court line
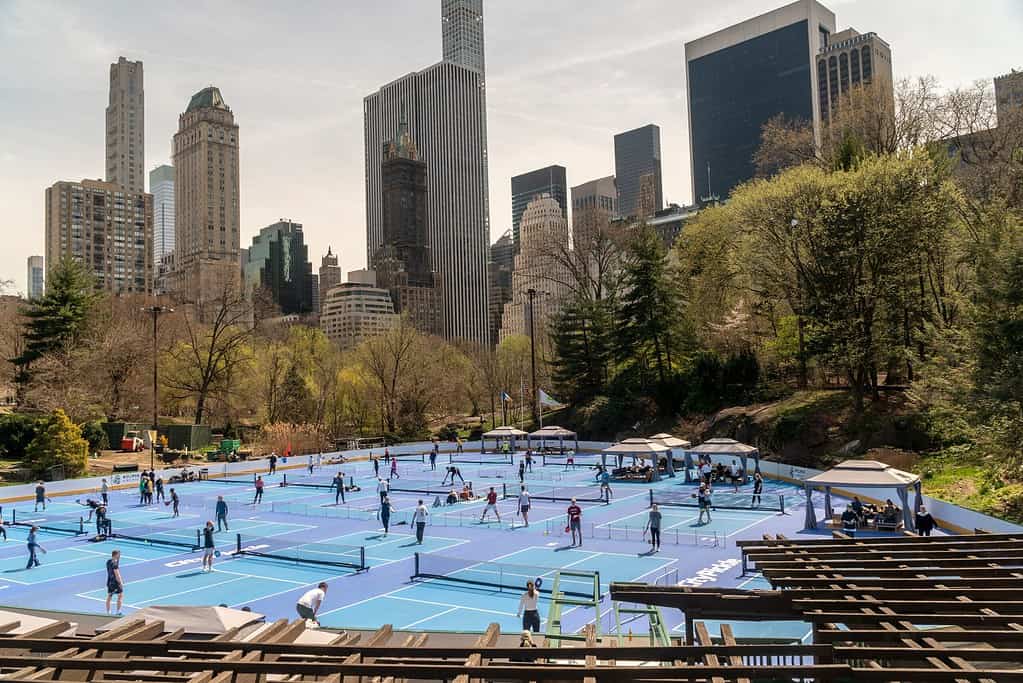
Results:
432 616
441 604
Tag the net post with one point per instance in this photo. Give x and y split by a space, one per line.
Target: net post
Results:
651 498
504 489
362 557
14 516
781 502
81 525
284 479
415 570
238 544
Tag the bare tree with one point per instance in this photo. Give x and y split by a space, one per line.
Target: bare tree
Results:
208 353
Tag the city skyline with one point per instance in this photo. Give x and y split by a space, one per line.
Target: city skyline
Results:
322 145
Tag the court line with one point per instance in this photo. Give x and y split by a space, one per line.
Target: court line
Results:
432 616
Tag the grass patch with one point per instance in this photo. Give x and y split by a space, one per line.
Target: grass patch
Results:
971 483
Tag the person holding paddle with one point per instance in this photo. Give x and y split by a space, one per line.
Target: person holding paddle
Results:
653 525
33 547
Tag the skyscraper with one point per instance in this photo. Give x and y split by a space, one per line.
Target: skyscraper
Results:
593 209
126 158
105 228
278 263
502 262
206 199
852 59
36 277
638 171
445 106
742 76
403 262
543 227
528 186
161 186
330 274
1008 95
462 33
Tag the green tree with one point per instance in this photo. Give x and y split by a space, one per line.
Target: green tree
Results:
294 398
61 317
59 442
649 335
584 348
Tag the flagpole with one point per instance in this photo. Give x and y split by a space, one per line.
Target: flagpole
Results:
539 405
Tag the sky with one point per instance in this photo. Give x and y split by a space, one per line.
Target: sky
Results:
562 78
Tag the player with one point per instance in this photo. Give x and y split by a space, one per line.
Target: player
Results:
523 504
115 583
491 505
575 522
208 546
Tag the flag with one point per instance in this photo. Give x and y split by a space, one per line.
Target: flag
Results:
546 400
505 397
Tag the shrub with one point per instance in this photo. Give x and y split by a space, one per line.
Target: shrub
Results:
59 442
94 433
16 433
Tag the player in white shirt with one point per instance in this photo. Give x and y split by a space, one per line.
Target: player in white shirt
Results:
419 518
310 602
524 505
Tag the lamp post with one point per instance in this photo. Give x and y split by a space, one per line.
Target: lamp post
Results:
532 350
155 311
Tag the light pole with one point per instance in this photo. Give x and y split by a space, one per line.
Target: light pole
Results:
532 350
156 311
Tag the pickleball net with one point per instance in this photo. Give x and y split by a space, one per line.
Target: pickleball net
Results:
722 501
185 539
63 524
504 576
481 458
577 459
591 493
311 553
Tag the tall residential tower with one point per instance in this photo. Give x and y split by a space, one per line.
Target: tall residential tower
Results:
105 228
161 186
206 199
126 158
445 109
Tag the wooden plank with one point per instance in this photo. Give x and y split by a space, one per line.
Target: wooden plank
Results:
729 639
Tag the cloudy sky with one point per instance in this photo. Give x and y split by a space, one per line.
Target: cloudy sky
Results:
563 77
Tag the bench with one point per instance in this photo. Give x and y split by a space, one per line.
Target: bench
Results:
126 467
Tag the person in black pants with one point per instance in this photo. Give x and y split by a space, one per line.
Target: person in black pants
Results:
528 608
924 522
758 488
385 514
102 521
339 487
273 463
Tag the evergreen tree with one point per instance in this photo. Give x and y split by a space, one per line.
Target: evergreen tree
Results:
294 402
649 333
584 348
59 442
60 317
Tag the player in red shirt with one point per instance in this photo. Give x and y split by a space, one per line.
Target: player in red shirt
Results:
575 522
491 505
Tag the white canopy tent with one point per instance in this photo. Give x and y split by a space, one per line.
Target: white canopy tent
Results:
193 620
553 433
499 434
860 474
671 442
724 447
638 447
